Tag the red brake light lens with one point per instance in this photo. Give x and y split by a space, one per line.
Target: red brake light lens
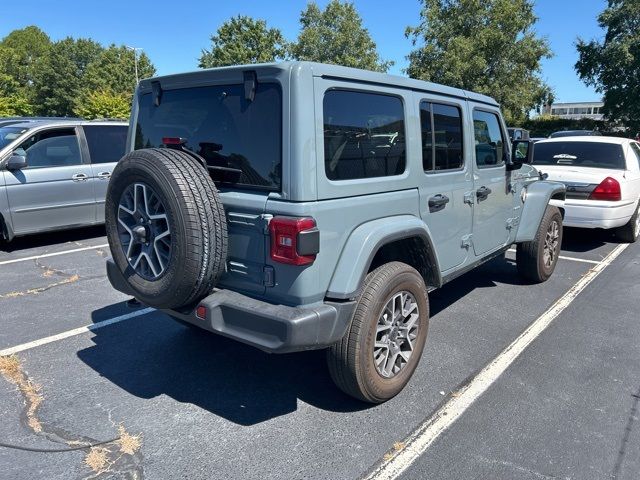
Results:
201 312
285 238
609 189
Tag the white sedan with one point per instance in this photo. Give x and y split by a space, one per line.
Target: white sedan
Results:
602 175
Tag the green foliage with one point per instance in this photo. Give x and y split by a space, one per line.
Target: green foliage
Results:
15 105
336 35
114 69
613 65
243 40
104 103
61 75
486 46
25 48
543 126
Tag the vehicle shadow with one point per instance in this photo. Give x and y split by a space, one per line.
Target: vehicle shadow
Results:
581 240
52 238
152 355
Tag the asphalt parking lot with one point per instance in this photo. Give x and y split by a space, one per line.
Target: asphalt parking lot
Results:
194 405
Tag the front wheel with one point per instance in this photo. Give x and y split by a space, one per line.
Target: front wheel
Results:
536 260
382 348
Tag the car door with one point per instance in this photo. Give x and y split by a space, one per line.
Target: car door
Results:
447 182
55 189
106 145
493 211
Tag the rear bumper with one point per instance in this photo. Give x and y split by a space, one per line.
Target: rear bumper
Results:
272 328
601 215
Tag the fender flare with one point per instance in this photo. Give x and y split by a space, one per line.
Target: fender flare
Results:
362 246
538 196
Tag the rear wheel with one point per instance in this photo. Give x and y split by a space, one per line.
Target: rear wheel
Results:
631 231
536 260
166 227
382 348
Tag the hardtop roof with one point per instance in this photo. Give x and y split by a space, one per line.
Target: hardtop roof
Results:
332 71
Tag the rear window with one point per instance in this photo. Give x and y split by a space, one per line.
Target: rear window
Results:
580 154
363 135
221 126
106 143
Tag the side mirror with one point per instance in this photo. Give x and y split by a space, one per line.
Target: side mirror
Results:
16 162
521 153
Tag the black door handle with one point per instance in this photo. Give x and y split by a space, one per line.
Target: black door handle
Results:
438 202
482 193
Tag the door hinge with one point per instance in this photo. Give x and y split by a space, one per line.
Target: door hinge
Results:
512 222
468 197
266 218
467 240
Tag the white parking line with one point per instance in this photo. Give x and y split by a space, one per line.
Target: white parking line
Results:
55 254
74 332
573 259
419 441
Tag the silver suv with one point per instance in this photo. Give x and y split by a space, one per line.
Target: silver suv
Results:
54 173
301 206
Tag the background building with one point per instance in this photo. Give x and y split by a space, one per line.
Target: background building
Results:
576 110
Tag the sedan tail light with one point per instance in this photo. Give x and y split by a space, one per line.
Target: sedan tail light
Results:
294 240
609 189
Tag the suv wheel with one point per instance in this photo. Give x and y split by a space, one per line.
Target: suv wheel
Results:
382 348
629 233
166 227
536 260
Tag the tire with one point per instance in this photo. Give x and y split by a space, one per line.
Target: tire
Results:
351 361
629 233
178 268
535 262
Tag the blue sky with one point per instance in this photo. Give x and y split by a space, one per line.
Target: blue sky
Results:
174 33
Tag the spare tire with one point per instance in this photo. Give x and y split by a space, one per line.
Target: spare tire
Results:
166 227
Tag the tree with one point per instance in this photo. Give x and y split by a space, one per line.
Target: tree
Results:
104 103
613 65
15 105
243 40
486 46
114 69
60 77
336 35
26 47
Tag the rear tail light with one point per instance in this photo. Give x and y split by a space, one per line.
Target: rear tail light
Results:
201 312
295 241
609 189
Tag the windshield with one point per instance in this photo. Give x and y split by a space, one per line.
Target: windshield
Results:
582 154
222 126
9 134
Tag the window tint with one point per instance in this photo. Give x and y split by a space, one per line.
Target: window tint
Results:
635 150
490 148
583 154
51 148
363 135
222 126
106 143
442 144
9 134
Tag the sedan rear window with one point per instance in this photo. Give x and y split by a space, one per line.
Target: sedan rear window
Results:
580 154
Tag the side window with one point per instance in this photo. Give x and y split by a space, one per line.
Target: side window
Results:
490 147
635 148
364 135
441 137
106 143
51 148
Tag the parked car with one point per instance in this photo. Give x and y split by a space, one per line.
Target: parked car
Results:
575 133
602 175
299 206
54 173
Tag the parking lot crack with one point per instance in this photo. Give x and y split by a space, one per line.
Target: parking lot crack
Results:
120 457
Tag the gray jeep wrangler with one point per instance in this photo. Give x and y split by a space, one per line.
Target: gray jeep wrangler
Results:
301 206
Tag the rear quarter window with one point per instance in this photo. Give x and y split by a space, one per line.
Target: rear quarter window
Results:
106 143
580 154
364 135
